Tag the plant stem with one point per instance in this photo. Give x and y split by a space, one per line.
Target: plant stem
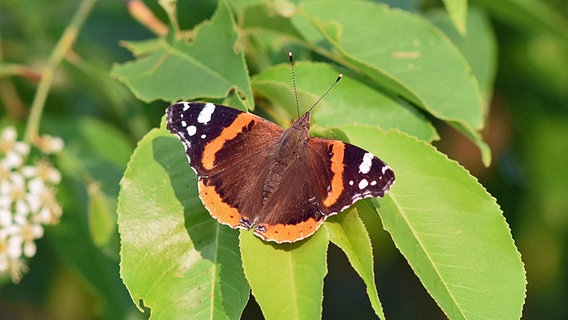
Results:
61 48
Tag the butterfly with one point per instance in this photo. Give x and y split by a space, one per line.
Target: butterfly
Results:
282 183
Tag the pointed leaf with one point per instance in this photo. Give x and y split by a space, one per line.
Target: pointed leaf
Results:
171 69
449 228
457 9
348 232
403 53
174 256
286 279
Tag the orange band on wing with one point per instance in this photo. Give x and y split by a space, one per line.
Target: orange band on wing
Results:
288 232
338 150
217 207
230 132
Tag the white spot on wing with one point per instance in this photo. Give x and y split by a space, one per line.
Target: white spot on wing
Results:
384 169
183 123
205 114
185 106
191 130
373 183
350 182
365 165
203 136
363 184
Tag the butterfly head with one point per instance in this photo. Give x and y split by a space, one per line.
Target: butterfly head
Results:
303 122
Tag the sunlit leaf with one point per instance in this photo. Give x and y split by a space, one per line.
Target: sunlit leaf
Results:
286 279
449 228
174 256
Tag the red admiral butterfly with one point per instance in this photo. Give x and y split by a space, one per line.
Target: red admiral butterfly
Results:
283 183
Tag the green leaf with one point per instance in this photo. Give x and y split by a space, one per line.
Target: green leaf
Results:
348 232
531 15
174 256
172 69
102 215
479 47
350 102
286 279
449 228
403 53
457 9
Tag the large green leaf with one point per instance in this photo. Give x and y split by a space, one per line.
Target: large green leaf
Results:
350 102
174 256
402 52
172 69
286 279
449 228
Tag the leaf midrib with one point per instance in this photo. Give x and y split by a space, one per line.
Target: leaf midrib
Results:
423 247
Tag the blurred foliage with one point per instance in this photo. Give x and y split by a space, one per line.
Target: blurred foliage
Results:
75 273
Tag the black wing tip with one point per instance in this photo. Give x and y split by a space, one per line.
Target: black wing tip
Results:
173 116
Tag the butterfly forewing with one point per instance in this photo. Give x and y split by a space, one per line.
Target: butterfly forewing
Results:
209 133
351 172
224 146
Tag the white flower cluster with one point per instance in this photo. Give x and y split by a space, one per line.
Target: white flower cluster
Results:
27 199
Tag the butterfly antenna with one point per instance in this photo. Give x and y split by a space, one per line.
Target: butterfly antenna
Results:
327 91
294 83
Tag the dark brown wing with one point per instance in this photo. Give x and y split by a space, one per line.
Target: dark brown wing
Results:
292 211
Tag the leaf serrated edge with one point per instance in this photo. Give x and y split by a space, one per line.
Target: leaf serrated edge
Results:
469 175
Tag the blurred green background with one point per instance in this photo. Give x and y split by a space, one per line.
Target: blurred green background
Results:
73 278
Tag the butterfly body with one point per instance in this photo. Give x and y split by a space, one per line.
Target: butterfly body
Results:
281 183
